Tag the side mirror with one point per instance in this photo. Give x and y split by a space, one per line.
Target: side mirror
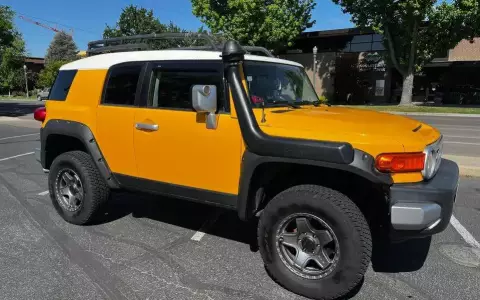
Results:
204 100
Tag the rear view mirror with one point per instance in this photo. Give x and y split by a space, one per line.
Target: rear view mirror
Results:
204 100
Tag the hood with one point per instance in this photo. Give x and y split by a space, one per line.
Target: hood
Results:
363 129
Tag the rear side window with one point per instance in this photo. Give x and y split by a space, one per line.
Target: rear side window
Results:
122 85
62 85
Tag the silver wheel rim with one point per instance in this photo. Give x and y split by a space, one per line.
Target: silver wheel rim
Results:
69 190
307 246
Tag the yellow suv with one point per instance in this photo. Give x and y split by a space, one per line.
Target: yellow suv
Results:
246 132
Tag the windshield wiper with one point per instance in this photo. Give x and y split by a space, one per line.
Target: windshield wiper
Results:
317 103
290 104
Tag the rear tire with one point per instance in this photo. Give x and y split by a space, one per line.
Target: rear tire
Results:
345 251
77 189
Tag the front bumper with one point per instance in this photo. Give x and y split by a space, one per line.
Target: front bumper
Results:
423 209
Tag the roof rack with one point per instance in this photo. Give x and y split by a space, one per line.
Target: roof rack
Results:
163 41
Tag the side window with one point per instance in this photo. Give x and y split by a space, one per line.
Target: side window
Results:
173 89
62 85
122 85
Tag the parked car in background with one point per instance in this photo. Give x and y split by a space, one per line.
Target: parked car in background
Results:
43 94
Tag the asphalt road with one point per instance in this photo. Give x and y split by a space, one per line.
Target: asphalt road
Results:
143 248
461 134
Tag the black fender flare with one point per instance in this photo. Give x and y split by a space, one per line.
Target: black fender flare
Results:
362 165
81 132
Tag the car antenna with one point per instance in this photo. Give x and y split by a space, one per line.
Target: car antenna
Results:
263 112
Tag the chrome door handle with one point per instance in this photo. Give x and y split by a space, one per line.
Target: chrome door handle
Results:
149 127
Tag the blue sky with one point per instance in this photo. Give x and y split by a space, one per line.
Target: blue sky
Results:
88 18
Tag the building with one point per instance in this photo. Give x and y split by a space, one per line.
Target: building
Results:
33 67
350 69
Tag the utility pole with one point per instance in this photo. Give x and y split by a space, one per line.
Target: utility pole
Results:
26 79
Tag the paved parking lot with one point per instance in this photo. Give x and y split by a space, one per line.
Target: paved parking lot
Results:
461 134
149 247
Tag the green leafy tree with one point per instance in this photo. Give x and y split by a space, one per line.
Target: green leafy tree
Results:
415 31
137 20
62 47
12 52
47 76
269 23
7 29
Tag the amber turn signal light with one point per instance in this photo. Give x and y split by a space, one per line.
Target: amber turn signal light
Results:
400 162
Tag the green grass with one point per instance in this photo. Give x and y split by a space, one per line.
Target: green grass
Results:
422 109
15 98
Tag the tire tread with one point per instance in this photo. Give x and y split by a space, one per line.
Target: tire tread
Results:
343 203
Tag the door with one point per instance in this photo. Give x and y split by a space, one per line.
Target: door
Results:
115 118
172 143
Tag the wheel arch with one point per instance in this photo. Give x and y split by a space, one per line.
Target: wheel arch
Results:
60 136
263 177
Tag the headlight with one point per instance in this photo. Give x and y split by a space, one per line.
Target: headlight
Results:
433 158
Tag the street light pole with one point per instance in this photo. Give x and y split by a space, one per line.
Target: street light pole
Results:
315 50
26 79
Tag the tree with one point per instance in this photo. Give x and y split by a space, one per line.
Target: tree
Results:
62 48
268 23
415 31
47 76
12 52
137 20
7 29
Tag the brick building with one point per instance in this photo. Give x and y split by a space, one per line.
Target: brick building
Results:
350 68
34 66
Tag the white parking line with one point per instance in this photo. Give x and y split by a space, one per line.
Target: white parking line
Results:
43 193
198 236
464 232
18 136
201 232
20 155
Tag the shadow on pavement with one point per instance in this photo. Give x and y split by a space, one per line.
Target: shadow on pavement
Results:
181 213
18 109
389 258
407 256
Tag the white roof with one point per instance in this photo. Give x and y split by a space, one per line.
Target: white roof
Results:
105 61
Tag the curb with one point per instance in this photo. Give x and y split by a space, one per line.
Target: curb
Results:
469 171
433 114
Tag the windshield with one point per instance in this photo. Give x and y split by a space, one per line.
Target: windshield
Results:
278 84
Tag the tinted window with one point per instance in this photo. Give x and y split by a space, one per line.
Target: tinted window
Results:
360 47
377 38
122 85
173 89
362 39
62 85
377 46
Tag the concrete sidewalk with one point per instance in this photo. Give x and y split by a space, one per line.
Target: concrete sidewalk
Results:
469 166
23 121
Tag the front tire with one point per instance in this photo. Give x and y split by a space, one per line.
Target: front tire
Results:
314 241
76 187
39 98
